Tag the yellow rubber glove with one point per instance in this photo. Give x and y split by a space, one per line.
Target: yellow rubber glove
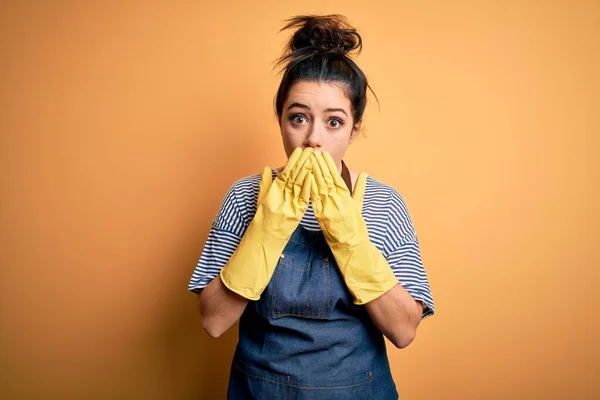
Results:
281 206
365 270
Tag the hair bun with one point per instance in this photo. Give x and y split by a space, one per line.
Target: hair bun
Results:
323 34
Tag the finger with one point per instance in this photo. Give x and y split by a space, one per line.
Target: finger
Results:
324 171
333 170
299 166
306 189
298 181
359 190
266 180
315 197
318 175
292 160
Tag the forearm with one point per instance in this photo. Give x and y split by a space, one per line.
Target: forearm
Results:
220 308
397 315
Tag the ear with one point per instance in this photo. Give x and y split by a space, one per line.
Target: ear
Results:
355 132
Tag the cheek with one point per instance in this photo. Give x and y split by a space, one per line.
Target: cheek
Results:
291 135
290 142
340 147
287 138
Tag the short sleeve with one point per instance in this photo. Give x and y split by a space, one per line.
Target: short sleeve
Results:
401 249
224 236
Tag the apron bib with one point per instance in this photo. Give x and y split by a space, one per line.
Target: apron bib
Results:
305 338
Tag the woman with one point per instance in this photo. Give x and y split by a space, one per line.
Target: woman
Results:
316 261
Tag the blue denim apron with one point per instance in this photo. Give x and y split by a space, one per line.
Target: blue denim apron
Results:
305 338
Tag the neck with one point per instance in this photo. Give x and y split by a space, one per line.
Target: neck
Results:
346 176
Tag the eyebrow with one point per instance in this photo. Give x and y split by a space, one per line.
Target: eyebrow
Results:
306 107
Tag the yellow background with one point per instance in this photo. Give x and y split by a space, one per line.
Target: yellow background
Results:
124 123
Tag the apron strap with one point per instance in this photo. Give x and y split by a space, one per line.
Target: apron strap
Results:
346 176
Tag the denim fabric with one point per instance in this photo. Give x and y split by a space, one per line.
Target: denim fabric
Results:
305 338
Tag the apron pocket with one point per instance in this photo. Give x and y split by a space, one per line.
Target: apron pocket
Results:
247 383
301 287
360 388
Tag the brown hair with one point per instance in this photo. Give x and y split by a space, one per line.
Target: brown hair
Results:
319 50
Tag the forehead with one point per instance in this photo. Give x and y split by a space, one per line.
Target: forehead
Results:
318 95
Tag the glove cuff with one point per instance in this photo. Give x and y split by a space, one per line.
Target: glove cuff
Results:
366 272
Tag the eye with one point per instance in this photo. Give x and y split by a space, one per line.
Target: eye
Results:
335 123
298 119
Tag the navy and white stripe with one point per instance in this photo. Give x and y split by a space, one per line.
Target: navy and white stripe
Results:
384 211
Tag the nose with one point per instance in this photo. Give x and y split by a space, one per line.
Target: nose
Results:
314 137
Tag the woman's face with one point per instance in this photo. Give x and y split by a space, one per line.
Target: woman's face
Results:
317 115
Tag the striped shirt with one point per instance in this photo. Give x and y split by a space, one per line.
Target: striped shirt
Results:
384 211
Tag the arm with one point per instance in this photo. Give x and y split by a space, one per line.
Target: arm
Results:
252 252
220 308
397 315
398 312
371 276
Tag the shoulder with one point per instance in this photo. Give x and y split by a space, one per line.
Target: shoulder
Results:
378 193
245 185
245 188
241 197
383 204
251 182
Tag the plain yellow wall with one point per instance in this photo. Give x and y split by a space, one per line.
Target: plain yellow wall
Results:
123 124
